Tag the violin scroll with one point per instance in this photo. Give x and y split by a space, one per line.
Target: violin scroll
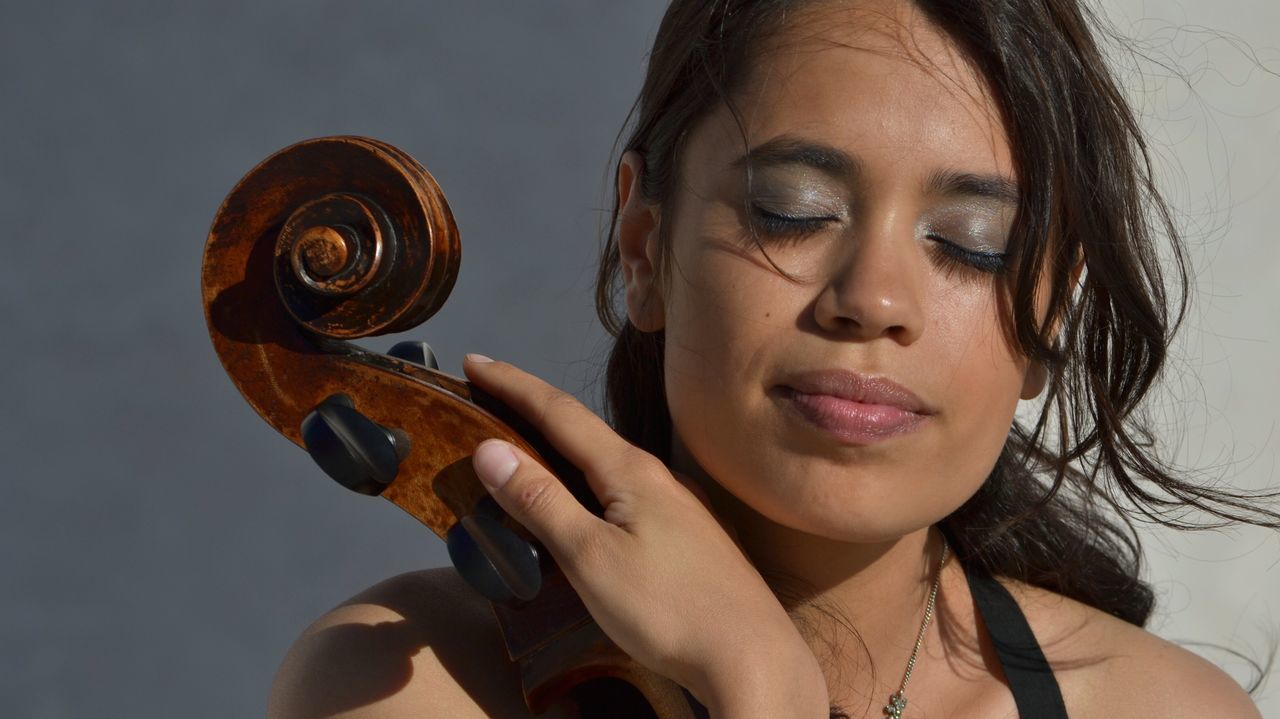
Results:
364 242
345 237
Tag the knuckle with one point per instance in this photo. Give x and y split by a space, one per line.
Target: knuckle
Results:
646 463
535 496
637 462
550 403
559 400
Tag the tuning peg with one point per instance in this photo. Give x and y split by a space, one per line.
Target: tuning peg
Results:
494 560
418 353
355 451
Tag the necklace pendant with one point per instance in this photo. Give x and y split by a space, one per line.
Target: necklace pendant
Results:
897 703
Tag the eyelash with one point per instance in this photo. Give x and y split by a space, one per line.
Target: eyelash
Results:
954 257
950 255
779 225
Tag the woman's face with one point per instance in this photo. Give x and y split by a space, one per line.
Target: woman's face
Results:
882 183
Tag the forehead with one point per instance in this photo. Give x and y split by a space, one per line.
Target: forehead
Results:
876 78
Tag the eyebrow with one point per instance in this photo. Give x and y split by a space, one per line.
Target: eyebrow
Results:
790 150
951 182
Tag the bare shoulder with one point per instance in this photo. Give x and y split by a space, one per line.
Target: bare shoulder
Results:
1107 667
420 644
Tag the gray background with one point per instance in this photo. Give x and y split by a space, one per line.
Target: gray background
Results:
160 547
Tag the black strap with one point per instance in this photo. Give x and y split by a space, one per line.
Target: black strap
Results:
699 711
1030 678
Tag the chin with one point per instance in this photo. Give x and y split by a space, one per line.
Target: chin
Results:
845 514
859 528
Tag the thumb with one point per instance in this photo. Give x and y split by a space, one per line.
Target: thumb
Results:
531 495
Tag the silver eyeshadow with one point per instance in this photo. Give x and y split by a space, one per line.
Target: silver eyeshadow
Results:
799 193
978 224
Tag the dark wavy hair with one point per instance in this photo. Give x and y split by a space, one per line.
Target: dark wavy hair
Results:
1058 509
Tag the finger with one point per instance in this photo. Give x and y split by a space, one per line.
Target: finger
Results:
584 439
534 497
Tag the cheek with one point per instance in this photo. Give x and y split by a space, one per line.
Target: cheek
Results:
979 380
719 320
728 316
966 331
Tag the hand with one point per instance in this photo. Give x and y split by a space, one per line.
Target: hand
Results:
658 572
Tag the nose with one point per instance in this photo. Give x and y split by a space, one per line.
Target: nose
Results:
876 289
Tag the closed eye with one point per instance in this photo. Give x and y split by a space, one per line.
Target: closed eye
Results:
785 225
953 257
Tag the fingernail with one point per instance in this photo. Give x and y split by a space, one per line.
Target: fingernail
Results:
495 463
478 359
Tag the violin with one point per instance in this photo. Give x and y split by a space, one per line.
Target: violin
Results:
337 238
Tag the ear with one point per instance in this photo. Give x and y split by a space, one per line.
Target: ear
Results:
1033 382
1078 269
637 238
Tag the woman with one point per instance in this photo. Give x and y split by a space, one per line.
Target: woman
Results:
849 238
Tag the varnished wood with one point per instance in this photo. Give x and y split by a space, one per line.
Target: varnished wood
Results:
343 237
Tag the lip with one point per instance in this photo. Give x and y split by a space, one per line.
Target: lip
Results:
856 409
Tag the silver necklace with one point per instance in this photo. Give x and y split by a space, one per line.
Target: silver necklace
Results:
898 700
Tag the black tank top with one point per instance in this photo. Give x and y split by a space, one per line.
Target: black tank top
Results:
1031 680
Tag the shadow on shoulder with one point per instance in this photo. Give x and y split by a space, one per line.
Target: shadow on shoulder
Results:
419 644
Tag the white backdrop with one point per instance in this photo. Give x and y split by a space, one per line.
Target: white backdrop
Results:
1205 78
1215 126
